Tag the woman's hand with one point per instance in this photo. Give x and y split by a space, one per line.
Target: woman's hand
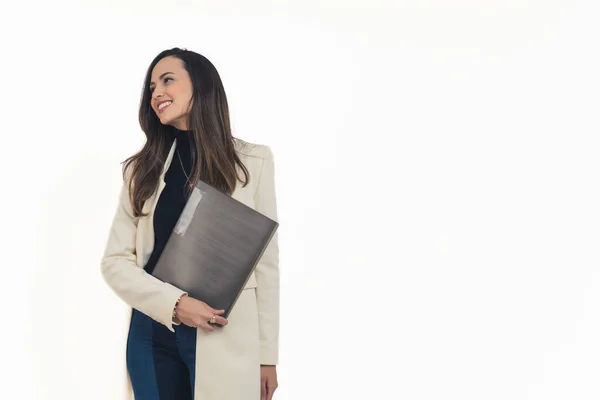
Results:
196 313
268 381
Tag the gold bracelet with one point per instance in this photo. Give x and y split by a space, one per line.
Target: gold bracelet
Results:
174 316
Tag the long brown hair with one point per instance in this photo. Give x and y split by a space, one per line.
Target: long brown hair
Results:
214 160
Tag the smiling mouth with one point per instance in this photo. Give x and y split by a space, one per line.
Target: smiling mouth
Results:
164 105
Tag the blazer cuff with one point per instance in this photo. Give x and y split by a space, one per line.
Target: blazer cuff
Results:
268 355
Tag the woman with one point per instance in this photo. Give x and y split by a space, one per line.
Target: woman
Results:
174 351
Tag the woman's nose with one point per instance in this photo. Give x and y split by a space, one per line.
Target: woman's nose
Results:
157 92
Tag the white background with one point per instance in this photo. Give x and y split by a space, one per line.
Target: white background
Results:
437 175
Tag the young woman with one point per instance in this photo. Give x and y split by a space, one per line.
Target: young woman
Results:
174 352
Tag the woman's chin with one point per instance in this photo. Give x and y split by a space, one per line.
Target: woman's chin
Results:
165 121
174 122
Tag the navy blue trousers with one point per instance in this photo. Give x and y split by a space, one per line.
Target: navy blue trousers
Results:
161 363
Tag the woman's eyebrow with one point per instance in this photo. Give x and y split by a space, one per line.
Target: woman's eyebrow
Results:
163 75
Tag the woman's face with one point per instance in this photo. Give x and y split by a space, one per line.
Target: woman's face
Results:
171 91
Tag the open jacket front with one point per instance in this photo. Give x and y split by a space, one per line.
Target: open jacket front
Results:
227 360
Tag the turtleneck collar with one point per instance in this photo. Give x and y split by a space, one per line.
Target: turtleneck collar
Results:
182 136
179 132
185 141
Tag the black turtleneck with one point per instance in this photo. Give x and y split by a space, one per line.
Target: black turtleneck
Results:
173 197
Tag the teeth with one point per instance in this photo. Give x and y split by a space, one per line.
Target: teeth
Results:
163 105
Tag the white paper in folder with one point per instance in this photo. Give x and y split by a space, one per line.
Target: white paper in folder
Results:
188 212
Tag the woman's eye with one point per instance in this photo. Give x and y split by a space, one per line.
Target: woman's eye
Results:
164 80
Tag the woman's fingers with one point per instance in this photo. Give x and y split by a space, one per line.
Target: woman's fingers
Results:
205 314
222 321
218 319
204 325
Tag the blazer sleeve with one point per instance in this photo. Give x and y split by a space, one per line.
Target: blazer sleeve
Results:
131 283
267 269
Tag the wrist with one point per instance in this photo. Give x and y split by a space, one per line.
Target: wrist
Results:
175 308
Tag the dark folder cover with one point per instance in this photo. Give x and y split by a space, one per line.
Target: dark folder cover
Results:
214 247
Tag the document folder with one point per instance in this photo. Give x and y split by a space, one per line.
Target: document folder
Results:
214 247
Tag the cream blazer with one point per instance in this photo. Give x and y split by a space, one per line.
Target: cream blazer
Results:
228 359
